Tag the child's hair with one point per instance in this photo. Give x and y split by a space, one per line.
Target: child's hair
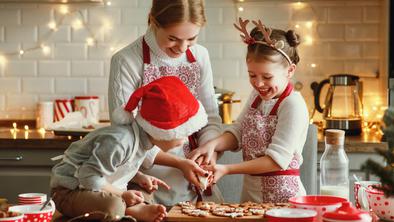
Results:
261 52
165 13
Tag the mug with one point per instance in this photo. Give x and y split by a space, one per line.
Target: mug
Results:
360 194
62 107
88 106
31 198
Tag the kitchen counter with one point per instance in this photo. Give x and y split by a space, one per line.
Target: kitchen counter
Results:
33 139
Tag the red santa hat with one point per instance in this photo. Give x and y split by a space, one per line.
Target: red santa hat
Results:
168 109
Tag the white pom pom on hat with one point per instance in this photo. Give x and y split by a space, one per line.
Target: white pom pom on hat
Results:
168 109
122 117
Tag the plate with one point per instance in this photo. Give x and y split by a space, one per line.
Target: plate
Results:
79 131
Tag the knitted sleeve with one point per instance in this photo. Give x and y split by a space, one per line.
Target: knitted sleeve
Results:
206 95
125 76
291 130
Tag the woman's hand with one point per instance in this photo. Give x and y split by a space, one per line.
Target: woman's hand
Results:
219 170
190 171
132 197
149 183
203 155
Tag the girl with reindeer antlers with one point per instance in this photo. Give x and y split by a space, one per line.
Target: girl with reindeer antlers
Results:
272 127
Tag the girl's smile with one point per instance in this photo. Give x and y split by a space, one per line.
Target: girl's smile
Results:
269 79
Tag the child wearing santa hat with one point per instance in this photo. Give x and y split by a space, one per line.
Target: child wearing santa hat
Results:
91 180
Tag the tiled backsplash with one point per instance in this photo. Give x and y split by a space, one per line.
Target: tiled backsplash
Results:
340 37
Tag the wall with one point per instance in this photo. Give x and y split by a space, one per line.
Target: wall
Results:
340 37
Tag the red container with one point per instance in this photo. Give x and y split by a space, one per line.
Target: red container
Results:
319 203
33 213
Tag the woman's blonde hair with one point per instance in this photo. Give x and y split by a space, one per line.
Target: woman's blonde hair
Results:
165 13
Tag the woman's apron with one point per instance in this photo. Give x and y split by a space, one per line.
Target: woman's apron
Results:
257 132
190 75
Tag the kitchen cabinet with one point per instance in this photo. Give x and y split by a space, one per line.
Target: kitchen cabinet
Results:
25 161
25 171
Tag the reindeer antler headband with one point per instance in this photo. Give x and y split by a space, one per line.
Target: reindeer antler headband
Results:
277 45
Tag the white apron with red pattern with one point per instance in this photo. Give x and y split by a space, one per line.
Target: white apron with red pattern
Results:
257 132
189 73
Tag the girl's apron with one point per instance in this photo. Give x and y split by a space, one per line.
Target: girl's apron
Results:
257 132
190 74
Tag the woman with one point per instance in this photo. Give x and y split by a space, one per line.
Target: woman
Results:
169 48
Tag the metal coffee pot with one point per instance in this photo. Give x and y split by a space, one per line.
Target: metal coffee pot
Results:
343 103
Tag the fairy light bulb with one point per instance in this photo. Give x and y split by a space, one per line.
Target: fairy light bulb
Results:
46 49
21 52
308 40
64 9
299 5
52 25
77 24
309 24
90 41
313 65
297 26
241 9
108 3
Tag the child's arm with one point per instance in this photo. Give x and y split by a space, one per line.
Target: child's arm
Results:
131 197
189 168
226 141
259 165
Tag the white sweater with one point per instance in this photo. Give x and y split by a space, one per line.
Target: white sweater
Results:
126 75
291 129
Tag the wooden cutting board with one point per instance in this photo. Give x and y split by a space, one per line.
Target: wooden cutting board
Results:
175 215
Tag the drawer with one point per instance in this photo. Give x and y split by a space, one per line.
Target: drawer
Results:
28 157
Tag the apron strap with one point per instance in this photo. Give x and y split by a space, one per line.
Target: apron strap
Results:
190 56
256 102
290 172
288 90
145 52
285 93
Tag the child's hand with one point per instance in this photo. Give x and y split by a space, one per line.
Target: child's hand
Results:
203 154
190 171
219 170
132 197
149 183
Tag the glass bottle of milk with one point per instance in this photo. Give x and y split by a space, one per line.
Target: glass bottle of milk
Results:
334 166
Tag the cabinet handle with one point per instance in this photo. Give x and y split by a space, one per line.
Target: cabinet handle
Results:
17 158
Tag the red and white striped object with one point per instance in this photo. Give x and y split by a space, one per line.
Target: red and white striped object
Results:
62 107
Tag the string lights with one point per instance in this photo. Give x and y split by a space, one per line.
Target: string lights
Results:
77 24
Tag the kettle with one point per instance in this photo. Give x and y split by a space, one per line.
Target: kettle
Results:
343 104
